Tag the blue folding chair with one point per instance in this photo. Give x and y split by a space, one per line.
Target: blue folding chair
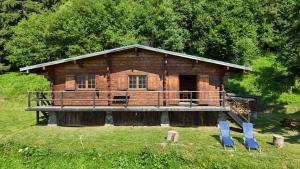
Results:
249 140
225 138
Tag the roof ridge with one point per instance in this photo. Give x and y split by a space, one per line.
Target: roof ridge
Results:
160 50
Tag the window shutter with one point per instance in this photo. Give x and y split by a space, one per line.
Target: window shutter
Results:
173 85
70 82
101 83
203 85
123 83
153 82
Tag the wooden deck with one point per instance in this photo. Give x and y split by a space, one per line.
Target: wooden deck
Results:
128 108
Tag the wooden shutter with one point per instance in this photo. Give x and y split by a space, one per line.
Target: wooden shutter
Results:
70 82
203 85
153 81
101 82
123 82
173 85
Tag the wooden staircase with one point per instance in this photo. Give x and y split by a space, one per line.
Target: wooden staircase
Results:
43 101
239 120
239 110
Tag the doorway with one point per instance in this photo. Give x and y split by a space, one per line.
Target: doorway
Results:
187 83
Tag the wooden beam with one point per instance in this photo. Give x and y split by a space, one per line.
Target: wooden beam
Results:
108 78
129 108
136 50
75 61
165 74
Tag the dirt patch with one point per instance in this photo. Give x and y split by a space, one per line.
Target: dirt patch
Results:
2 99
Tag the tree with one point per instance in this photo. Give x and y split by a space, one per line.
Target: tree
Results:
290 53
77 27
12 12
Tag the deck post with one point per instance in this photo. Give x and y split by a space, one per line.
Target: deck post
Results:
94 99
62 100
38 99
28 99
109 121
52 120
191 99
37 117
126 99
158 99
164 119
223 98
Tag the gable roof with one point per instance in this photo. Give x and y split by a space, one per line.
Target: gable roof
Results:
183 55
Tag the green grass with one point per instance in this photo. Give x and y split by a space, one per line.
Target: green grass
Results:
123 147
24 145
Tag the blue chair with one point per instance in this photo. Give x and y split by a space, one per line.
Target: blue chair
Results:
249 140
225 138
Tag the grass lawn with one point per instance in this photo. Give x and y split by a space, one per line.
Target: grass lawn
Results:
24 145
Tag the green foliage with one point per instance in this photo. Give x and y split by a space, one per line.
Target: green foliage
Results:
217 29
226 30
268 79
4 68
78 27
13 11
290 55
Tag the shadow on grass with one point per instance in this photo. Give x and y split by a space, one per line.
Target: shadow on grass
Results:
217 138
236 129
271 123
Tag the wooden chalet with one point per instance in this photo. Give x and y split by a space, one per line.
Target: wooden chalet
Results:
134 85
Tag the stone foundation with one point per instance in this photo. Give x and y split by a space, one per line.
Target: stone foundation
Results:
109 121
164 121
52 120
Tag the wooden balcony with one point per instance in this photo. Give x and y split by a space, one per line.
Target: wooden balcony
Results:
47 101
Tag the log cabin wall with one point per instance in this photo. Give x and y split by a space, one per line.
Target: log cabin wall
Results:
112 73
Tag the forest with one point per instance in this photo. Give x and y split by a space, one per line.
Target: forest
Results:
237 31
263 34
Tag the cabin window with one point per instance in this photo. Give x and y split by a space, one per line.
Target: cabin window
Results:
137 82
86 82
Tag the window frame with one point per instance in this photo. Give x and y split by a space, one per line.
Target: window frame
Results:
137 82
86 82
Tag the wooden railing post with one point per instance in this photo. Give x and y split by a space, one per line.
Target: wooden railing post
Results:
94 99
158 99
223 95
191 99
126 99
62 100
28 99
37 117
38 99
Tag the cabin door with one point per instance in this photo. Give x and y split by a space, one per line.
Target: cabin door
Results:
187 84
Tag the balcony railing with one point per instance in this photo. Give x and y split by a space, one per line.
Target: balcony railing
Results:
125 98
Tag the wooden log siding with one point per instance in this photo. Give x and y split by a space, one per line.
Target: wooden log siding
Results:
109 69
